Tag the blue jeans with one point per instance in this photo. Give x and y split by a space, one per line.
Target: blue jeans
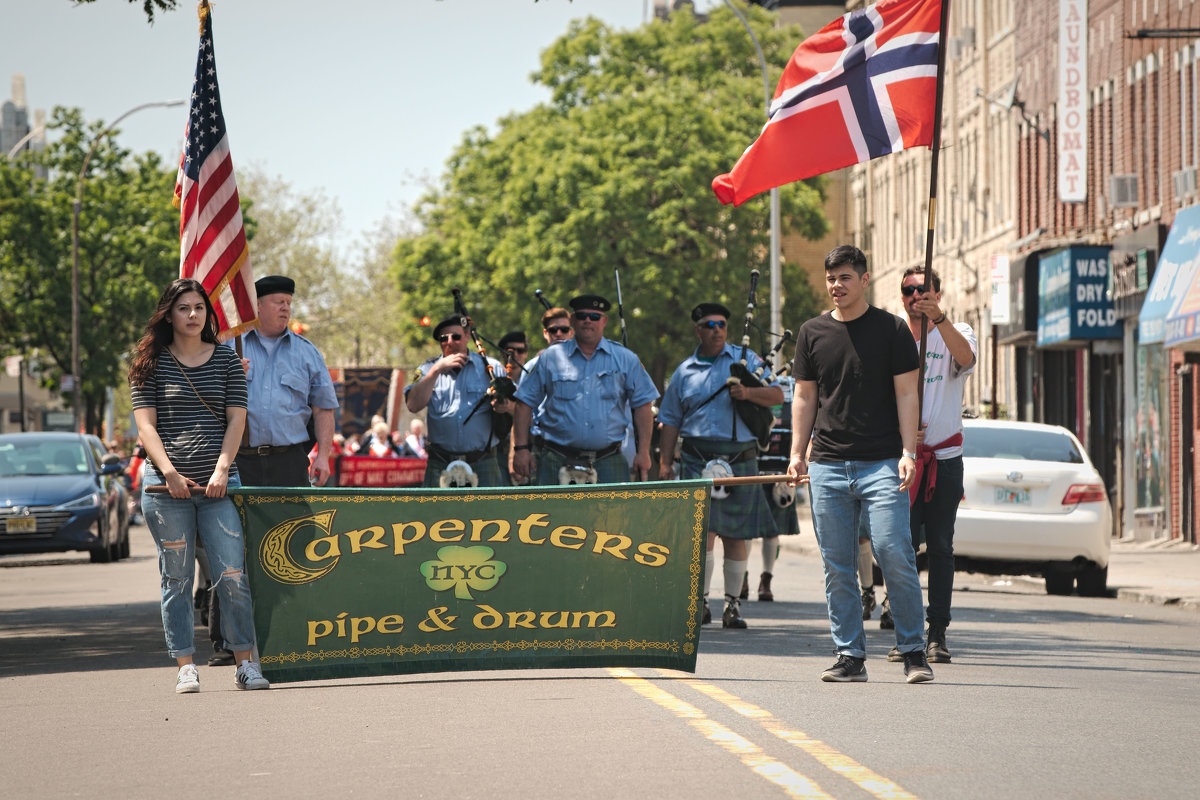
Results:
842 492
175 525
937 517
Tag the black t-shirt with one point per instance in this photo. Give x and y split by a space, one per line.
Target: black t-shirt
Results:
854 364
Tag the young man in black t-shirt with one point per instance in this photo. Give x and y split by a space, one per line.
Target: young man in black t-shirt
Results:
856 397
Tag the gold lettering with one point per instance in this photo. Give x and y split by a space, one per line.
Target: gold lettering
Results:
622 543
391 623
401 542
652 555
523 526
341 624
487 618
559 535
375 532
478 526
521 619
318 628
610 619
448 525
331 548
359 626
548 619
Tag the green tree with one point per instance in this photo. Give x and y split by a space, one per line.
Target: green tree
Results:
614 173
128 251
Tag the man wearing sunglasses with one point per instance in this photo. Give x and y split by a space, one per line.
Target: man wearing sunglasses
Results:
584 388
460 417
556 327
697 406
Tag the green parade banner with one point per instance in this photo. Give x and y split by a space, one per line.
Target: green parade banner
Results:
353 582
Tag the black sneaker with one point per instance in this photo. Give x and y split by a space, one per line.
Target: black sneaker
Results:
886 623
868 600
221 658
894 655
916 668
732 618
936 650
848 669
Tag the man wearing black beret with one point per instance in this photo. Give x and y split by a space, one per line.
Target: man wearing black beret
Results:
585 389
697 406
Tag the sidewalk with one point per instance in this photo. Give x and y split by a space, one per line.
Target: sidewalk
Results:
1162 572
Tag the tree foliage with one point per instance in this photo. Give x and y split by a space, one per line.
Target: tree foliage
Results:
613 173
128 251
149 6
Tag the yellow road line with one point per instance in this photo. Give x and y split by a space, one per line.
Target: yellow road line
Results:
792 782
837 762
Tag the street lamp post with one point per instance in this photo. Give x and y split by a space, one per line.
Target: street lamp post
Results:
775 281
77 401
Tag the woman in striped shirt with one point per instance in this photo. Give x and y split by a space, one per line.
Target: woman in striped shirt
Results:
189 402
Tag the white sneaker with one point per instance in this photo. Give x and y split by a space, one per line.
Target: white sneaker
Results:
188 680
249 676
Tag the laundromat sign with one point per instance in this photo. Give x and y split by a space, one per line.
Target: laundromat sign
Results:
1073 299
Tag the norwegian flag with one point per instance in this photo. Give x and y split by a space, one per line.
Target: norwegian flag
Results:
861 87
212 238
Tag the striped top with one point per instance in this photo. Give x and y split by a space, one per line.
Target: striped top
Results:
190 433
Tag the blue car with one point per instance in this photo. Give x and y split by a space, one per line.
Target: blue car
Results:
60 492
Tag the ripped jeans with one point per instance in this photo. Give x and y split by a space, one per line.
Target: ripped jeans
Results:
175 524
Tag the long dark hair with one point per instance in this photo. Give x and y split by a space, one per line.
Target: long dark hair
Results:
159 332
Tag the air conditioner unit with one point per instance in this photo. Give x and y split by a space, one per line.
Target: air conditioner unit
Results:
967 34
1185 182
1123 191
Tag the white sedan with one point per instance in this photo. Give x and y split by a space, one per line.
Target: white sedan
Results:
1032 504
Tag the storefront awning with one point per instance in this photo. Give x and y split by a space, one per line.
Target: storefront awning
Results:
1176 272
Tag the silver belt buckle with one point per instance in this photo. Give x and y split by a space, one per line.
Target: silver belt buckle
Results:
264 450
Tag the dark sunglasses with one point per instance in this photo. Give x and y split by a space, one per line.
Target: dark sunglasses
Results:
594 316
559 329
909 291
517 350
713 323
446 337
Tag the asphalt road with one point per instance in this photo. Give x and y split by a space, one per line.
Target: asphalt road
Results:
1055 697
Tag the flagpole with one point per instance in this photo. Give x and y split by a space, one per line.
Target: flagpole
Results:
936 146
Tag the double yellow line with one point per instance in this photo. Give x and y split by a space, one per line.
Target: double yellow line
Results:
753 756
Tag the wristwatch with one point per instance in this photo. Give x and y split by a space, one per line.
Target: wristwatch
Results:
913 456
521 447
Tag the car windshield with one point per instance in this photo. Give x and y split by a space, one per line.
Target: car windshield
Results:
1033 445
42 457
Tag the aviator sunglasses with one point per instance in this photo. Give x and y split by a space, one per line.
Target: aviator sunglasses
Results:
594 316
559 329
713 323
446 337
909 291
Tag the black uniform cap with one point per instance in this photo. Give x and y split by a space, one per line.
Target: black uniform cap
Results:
446 323
705 309
274 284
517 337
590 302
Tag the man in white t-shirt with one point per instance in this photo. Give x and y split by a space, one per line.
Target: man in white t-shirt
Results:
950 354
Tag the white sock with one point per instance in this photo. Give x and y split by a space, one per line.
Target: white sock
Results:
710 561
735 572
770 551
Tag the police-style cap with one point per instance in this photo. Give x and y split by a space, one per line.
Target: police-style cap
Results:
707 309
512 337
446 323
274 284
590 302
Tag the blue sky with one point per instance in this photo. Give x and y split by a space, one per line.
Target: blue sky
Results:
361 99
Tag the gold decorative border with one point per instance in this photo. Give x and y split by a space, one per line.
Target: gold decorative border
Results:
241 496
467 648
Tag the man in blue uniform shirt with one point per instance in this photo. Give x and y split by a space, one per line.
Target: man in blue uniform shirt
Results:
454 387
287 383
696 405
585 388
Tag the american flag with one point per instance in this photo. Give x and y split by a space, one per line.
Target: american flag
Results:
861 87
212 239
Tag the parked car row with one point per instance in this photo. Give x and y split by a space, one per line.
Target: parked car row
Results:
61 492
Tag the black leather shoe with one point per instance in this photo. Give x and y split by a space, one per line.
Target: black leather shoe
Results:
221 658
732 618
765 595
707 618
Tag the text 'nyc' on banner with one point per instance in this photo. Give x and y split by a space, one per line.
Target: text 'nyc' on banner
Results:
351 582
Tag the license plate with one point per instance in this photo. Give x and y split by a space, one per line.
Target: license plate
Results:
1009 497
21 525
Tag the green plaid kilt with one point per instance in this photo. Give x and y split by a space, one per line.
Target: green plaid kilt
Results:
613 468
786 520
746 512
487 468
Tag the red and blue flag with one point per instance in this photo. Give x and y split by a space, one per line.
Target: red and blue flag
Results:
861 87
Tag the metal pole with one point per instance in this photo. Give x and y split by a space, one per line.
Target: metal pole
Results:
77 395
775 281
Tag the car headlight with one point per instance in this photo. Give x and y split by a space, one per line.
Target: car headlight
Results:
90 500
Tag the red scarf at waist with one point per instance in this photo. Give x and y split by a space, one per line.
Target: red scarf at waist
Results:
927 462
